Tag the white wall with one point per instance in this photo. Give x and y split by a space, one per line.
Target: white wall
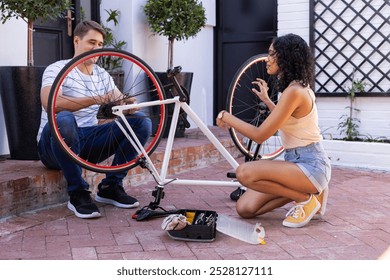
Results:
374 115
13 35
194 55
13 53
293 17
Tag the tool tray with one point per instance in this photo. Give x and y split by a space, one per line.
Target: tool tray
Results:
202 226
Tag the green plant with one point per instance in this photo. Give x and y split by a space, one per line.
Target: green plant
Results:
110 40
350 124
379 139
30 11
175 19
111 63
350 127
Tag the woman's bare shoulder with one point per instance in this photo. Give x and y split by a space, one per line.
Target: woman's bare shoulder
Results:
294 90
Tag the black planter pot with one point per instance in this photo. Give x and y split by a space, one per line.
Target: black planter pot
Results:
20 95
185 80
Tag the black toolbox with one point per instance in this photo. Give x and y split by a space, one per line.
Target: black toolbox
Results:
202 226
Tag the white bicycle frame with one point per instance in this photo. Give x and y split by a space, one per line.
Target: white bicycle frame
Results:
162 176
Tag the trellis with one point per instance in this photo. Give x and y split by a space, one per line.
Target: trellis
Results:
351 40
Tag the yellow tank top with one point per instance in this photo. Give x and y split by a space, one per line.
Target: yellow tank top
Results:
303 131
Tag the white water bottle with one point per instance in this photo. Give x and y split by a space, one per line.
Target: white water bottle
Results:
240 229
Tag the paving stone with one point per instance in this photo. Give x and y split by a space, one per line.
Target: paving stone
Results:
355 227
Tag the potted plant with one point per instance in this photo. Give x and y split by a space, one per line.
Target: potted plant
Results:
20 85
177 20
31 11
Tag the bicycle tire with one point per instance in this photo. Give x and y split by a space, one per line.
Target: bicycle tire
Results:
138 79
245 105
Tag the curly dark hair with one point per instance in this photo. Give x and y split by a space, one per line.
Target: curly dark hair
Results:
295 61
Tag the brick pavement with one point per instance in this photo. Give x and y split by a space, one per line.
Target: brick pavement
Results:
27 185
356 226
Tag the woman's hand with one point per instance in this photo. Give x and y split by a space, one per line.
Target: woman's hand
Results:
219 119
262 92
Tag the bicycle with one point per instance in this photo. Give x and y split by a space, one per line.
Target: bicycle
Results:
137 79
245 105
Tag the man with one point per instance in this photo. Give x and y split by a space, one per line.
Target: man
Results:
88 35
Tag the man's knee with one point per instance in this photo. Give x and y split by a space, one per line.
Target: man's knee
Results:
65 118
66 123
146 127
143 126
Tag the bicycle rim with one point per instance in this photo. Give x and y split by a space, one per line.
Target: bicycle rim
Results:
245 105
133 78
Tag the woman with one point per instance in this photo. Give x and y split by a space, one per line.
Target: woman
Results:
304 175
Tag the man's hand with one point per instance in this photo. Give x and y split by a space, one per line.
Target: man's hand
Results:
130 100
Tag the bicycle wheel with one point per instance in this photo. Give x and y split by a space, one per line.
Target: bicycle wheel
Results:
245 105
133 79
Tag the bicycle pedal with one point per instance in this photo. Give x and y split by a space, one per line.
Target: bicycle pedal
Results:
142 214
235 195
231 175
134 216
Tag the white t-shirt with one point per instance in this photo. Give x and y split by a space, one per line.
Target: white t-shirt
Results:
77 84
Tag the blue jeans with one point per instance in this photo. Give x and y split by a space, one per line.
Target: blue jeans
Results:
314 162
53 157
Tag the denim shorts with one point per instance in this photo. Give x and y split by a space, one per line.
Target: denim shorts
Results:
313 161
